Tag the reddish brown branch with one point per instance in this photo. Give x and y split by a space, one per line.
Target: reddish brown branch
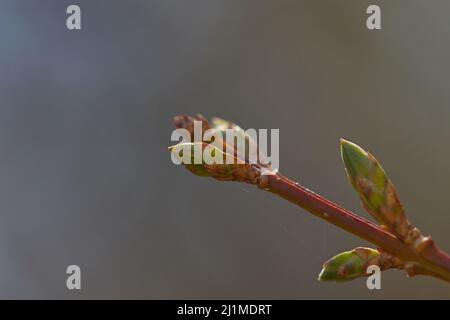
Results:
432 260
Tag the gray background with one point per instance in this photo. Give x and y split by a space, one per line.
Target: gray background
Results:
85 119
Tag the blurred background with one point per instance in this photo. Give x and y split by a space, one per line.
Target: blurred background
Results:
85 119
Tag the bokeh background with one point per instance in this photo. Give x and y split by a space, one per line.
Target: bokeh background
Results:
85 119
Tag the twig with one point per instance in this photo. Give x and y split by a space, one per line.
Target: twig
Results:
399 244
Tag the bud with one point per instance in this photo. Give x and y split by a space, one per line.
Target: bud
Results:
213 163
377 193
187 122
349 265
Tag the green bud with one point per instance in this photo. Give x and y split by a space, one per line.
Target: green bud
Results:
206 160
222 125
377 193
349 265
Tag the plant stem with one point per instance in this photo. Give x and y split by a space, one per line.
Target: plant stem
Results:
418 257
431 260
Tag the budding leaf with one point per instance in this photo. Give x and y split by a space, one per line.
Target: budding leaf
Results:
222 124
206 160
349 265
377 193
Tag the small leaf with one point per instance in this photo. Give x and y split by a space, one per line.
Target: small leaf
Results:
349 265
377 193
